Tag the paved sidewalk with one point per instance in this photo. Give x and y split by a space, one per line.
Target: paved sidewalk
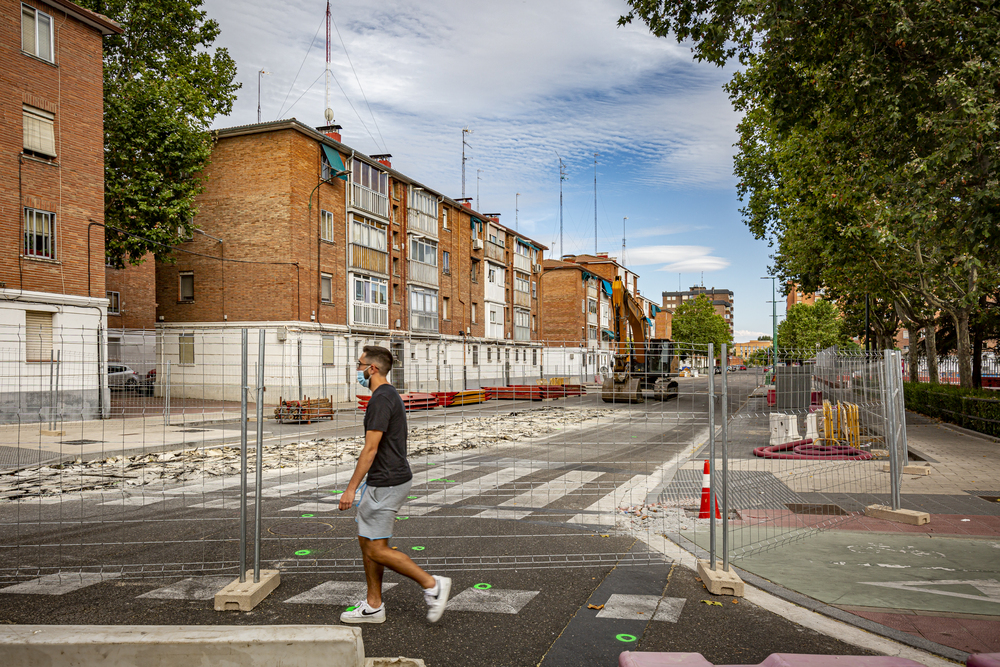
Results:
938 582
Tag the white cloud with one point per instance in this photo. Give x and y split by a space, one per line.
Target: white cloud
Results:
676 258
696 263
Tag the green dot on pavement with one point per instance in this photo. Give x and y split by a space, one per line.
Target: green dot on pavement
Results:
411 497
306 516
303 552
625 638
402 518
482 587
417 548
336 491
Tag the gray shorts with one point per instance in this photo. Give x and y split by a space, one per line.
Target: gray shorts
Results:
377 509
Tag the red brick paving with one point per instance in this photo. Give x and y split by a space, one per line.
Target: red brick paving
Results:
964 634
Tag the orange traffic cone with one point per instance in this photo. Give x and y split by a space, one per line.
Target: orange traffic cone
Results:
706 503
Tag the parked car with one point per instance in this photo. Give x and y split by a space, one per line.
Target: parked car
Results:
122 377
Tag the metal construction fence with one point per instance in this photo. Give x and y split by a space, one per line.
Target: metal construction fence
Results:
192 453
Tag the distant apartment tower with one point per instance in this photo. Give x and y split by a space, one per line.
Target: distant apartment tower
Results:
53 306
796 296
722 301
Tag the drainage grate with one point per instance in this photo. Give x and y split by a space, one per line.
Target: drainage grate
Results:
300 528
810 508
81 442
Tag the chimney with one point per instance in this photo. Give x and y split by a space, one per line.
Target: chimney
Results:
332 131
384 158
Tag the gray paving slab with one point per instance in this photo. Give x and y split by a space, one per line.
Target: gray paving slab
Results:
192 588
654 607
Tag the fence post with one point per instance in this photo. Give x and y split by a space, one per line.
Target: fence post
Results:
711 454
243 456
52 397
299 348
724 361
260 454
166 399
889 406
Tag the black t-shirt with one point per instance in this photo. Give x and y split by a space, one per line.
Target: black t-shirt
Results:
386 413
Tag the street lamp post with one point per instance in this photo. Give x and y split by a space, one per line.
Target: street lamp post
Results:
259 74
774 328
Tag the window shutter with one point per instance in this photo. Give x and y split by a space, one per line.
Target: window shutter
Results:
328 358
39 131
28 30
38 335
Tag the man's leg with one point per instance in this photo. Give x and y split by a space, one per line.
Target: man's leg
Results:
373 575
382 556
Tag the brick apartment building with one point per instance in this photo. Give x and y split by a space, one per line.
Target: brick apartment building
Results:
722 301
331 249
52 263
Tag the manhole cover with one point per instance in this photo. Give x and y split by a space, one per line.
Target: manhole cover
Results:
81 442
809 508
300 528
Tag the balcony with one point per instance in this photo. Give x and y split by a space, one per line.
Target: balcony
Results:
369 259
366 199
421 223
425 274
522 333
496 252
423 321
369 315
522 299
522 263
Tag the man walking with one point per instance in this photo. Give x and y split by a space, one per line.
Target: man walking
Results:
383 459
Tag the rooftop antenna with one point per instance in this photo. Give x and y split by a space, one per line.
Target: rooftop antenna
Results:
478 171
516 195
562 177
595 202
702 278
623 239
465 131
328 114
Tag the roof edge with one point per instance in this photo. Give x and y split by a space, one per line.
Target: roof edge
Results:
91 18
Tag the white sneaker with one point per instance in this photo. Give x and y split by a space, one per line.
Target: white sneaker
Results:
363 613
437 602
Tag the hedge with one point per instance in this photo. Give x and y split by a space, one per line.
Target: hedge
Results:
974 409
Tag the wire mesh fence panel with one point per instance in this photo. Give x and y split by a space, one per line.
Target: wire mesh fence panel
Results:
517 459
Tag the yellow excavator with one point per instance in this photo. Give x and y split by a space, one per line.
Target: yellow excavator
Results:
641 364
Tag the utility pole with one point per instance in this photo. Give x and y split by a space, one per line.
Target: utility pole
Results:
478 171
261 72
465 131
623 239
328 112
595 203
516 196
562 177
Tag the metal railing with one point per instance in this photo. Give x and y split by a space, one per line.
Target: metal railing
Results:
369 201
426 274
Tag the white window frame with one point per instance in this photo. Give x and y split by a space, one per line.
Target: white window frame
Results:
325 288
446 262
39 234
363 174
444 217
38 336
33 49
421 250
445 303
326 225
329 351
114 303
473 312
375 295
38 131
521 284
180 286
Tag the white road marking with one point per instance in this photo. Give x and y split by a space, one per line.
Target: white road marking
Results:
604 510
59 584
541 495
491 600
478 486
195 588
336 592
642 607
136 501
989 587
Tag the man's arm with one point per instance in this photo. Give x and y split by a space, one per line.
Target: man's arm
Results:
372 439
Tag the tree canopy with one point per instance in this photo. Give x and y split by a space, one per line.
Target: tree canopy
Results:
808 327
163 85
696 322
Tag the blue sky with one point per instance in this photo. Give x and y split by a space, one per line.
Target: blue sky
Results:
532 80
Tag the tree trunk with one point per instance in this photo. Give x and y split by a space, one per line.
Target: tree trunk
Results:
961 317
914 354
930 345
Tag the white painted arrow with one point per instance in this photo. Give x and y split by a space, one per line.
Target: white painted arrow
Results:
989 587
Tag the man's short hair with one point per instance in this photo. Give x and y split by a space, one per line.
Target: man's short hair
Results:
380 357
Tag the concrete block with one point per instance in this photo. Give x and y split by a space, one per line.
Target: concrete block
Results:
181 645
910 470
247 595
394 662
719 581
910 517
56 433
812 429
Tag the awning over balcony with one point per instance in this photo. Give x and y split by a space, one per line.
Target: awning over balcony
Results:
606 286
333 159
609 333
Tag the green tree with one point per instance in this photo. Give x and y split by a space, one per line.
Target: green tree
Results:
163 84
695 322
764 337
877 118
807 326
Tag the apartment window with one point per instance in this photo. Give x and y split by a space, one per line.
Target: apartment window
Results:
445 308
534 290
474 270
395 292
186 287
493 316
326 225
395 266
368 234
446 262
370 177
114 303
38 335
534 356
592 333
534 322
473 313
423 251
520 282
325 288
328 351
475 355
36 33
583 305
370 290
39 233
592 305
489 352
185 348
444 218
39 131
423 309
492 275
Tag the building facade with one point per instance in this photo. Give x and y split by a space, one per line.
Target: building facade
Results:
722 301
309 238
53 312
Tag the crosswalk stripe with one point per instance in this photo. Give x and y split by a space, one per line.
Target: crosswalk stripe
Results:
541 495
492 600
607 506
469 489
336 592
59 584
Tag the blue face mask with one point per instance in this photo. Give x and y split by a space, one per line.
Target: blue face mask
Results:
362 380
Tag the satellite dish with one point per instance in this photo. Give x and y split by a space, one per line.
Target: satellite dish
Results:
329 115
